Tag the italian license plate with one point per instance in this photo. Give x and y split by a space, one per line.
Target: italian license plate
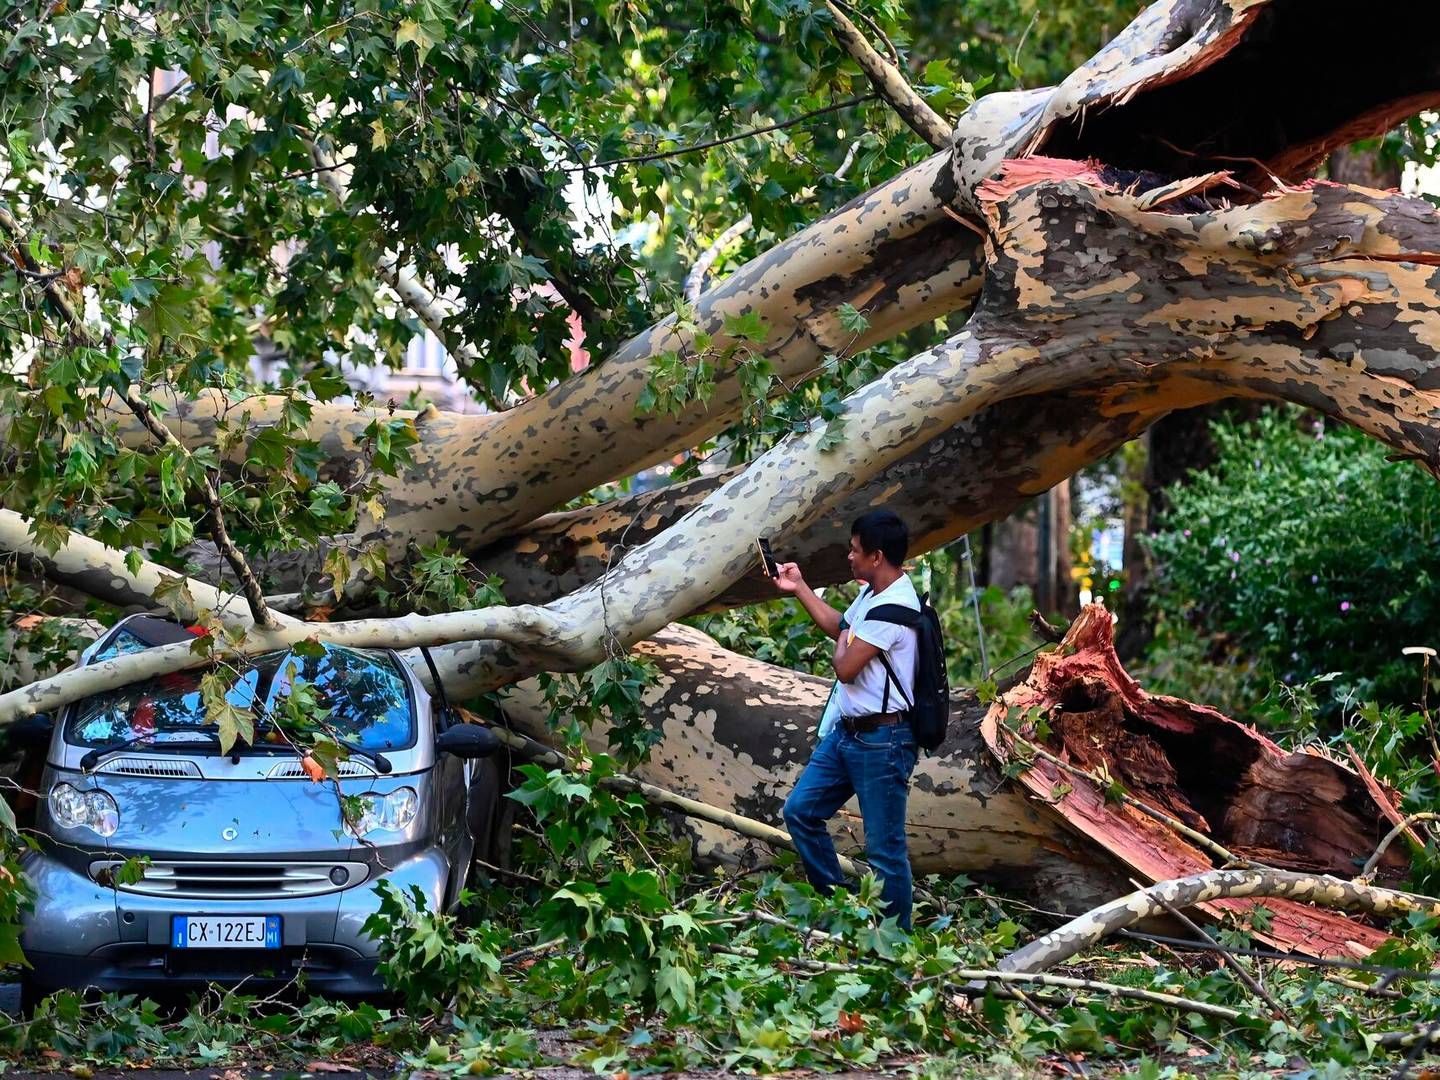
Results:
225 931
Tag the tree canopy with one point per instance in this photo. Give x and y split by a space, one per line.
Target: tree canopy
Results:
161 171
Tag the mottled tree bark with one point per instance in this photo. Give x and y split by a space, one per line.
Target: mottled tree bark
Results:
981 469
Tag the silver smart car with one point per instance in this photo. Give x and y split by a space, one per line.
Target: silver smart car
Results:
254 873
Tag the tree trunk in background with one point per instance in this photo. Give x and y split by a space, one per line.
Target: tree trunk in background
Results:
1364 168
1032 548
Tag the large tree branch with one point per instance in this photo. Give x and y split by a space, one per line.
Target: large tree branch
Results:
101 572
1079 934
534 630
889 82
1292 293
892 253
980 470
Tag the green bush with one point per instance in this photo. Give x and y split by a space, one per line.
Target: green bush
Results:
1302 551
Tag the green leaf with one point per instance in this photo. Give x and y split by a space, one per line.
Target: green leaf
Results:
422 35
747 327
374 561
852 320
337 567
675 988
49 534
832 436
309 649
10 951
18 140
132 870
329 754
174 594
174 314
232 723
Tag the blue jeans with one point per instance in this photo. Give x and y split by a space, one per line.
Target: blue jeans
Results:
875 767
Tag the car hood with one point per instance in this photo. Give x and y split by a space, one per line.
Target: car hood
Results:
184 818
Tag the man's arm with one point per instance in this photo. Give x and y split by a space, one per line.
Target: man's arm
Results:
851 655
791 581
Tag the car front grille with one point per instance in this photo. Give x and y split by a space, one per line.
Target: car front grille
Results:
235 879
138 766
292 769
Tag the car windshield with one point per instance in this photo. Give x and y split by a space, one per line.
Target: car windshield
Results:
365 693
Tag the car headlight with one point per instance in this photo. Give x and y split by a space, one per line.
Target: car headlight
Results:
96 809
383 813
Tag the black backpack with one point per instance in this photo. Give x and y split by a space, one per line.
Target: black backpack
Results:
929 713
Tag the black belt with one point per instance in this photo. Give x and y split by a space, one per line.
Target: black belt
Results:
859 725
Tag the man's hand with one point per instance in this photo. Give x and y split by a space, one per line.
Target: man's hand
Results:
788 579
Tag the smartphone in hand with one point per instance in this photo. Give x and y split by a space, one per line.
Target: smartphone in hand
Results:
767 557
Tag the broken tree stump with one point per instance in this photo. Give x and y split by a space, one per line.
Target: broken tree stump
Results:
1293 810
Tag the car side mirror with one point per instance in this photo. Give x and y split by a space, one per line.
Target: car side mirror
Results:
468 741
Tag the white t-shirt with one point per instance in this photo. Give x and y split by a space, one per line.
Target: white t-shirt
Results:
866 694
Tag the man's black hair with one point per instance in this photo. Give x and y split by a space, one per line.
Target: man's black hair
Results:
883 531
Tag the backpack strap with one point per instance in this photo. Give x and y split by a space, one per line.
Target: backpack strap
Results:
898 614
885 698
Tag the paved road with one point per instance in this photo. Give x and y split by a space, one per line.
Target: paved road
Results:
10 998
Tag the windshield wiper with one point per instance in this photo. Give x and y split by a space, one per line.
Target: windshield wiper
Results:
94 756
382 763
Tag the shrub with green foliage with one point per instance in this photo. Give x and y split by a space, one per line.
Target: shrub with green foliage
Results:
1301 551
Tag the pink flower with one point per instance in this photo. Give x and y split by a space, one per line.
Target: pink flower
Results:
1344 605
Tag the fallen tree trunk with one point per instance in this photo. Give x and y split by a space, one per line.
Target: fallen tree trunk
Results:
735 734
980 470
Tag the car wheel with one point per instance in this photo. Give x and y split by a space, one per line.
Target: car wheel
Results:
502 848
490 818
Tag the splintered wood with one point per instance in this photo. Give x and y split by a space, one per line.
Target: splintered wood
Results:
1298 811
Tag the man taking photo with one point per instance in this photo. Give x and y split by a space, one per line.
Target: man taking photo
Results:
865 746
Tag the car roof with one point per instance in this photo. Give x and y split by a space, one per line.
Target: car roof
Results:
150 630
